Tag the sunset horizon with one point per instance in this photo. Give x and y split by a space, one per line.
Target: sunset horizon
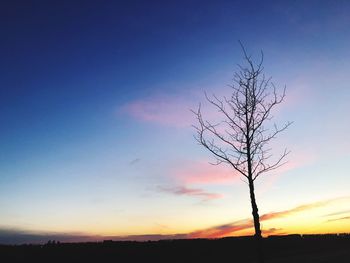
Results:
239 228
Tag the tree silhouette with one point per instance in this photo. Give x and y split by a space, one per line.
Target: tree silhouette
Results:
241 139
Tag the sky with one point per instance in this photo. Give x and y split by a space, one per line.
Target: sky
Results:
95 123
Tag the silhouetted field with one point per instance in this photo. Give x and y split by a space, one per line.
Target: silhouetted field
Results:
288 249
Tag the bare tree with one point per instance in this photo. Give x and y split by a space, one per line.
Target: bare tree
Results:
241 139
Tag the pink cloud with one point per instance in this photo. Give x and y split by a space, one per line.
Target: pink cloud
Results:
222 230
170 110
246 224
299 209
198 173
165 110
196 192
202 172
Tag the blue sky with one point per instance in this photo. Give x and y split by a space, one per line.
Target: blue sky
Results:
95 122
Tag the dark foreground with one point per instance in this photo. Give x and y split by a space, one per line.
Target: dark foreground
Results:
288 249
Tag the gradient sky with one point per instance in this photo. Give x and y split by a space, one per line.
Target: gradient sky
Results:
95 122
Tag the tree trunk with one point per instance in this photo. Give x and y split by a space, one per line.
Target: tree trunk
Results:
254 210
258 236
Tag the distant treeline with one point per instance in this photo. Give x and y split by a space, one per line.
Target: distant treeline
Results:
291 248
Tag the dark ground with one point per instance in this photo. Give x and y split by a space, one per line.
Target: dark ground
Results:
282 249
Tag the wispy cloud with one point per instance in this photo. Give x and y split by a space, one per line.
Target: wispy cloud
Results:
231 228
190 178
222 230
193 176
161 109
196 192
300 208
202 172
339 219
170 109
135 161
338 213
